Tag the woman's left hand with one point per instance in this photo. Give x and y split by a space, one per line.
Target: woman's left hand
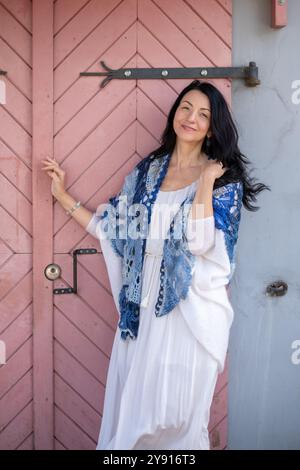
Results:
214 169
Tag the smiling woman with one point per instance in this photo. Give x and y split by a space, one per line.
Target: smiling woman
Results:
192 115
170 290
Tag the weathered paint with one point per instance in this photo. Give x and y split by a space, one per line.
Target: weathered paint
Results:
264 382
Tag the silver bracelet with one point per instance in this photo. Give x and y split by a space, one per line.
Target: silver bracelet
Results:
76 205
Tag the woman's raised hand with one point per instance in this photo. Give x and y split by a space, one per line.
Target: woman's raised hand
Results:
57 174
214 169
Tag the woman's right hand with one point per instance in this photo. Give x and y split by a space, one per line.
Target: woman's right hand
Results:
58 176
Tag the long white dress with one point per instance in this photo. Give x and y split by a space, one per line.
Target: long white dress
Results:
160 386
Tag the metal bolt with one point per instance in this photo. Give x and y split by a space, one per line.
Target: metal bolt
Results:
165 73
203 72
127 73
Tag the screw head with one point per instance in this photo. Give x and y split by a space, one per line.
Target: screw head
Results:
203 72
165 73
127 73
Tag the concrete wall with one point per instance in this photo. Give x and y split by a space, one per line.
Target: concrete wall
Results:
264 375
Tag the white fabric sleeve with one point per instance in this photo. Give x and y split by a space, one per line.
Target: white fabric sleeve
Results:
200 234
112 260
92 225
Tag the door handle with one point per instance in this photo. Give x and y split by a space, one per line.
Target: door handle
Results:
53 271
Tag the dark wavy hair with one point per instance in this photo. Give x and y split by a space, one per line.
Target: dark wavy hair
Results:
222 145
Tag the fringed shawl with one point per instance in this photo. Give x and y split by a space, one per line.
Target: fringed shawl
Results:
128 216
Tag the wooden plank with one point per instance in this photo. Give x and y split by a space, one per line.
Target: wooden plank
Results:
218 435
18 332
18 106
227 5
15 400
16 301
16 367
18 38
21 10
219 405
70 435
13 271
5 253
58 445
93 47
77 408
27 444
171 37
199 33
88 322
78 377
84 98
15 433
19 73
216 17
42 15
279 13
65 10
80 347
14 136
15 171
89 137
149 115
14 202
145 142
80 26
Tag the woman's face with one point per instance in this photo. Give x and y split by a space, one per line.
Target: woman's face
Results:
192 118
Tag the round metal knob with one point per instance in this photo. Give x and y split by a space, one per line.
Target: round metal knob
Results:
277 289
52 271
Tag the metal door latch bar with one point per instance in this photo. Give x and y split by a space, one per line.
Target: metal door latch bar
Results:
53 271
248 73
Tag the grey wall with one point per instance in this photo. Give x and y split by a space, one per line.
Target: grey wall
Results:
264 382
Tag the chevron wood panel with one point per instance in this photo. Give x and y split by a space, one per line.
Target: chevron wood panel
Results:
18 430
16 394
69 434
99 136
65 10
27 444
20 11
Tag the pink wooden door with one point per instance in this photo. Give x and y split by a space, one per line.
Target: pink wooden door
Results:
98 136
16 390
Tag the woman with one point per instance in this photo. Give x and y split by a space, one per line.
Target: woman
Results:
169 270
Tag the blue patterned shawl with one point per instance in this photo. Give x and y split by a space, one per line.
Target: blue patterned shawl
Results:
141 187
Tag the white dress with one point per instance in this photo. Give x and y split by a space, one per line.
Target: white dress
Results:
160 386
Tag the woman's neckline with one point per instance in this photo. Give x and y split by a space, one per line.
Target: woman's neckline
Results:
177 190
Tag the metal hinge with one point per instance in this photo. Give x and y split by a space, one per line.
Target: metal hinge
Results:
248 73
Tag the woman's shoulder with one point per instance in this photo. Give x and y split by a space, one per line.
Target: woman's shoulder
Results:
231 187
